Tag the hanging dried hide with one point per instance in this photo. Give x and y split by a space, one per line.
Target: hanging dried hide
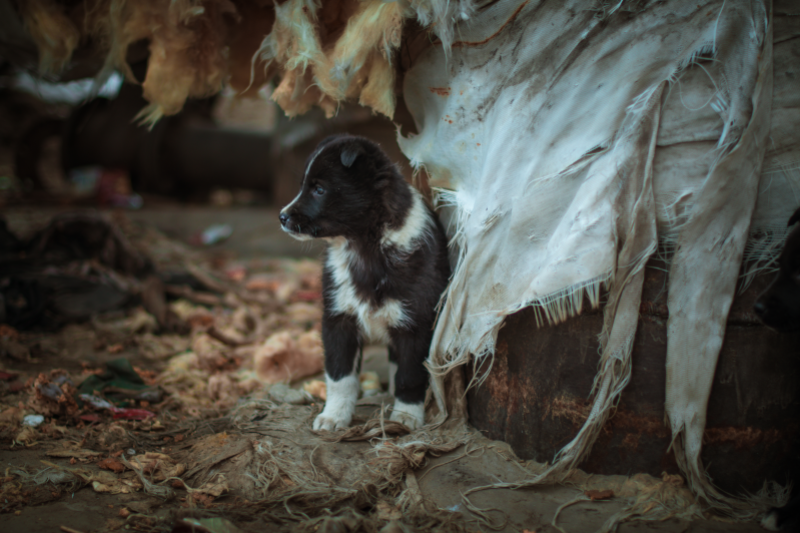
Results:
566 141
323 52
187 42
55 34
345 49
334 51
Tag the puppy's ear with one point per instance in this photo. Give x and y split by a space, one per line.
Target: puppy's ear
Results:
350 154
794 218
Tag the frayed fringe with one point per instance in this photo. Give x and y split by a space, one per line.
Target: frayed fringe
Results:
441 16
621 317
746 507
761 253
548 310
649 500
55 34
559 306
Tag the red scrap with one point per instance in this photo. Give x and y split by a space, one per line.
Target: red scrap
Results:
131 414
308 296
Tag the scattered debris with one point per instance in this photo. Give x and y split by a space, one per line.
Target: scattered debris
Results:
78 265
113 189
284 358
73 452
32 420
204 525
121 384
13 416
599 494
370 384
111 464
214 234
317 388
282 393
54 395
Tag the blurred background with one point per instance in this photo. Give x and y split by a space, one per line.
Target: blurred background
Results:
214 174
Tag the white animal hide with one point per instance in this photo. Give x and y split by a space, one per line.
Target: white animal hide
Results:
567 143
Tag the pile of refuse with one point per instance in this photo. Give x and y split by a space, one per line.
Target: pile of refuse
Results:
138 364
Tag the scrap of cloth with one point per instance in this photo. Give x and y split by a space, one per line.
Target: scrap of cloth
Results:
566 141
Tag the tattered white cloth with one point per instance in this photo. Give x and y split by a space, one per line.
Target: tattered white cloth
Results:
567 141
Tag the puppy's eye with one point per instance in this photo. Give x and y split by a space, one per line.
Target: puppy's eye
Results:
317 190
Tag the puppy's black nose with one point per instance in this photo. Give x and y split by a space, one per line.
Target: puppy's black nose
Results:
760 308
283 218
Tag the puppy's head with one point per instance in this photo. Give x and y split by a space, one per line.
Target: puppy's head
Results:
343 191
779 305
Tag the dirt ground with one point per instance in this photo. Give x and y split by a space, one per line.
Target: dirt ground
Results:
225 450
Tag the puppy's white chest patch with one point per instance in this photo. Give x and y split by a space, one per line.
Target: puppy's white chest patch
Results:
417 225
374 322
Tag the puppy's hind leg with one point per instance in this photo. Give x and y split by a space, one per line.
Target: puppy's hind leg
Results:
340 338
411 379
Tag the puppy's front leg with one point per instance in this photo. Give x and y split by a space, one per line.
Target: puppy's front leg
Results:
409 350
341 340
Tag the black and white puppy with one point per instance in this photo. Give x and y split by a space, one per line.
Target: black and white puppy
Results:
779 307
385 268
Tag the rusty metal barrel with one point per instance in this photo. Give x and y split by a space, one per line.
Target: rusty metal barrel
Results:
536 395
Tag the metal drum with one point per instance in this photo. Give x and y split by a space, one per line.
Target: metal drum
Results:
536 396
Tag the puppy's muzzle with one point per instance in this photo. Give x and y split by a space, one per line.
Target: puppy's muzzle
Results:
295 225
289 219
289 222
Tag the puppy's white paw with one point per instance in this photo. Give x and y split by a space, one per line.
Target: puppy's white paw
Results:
329 423
412 415
340 405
